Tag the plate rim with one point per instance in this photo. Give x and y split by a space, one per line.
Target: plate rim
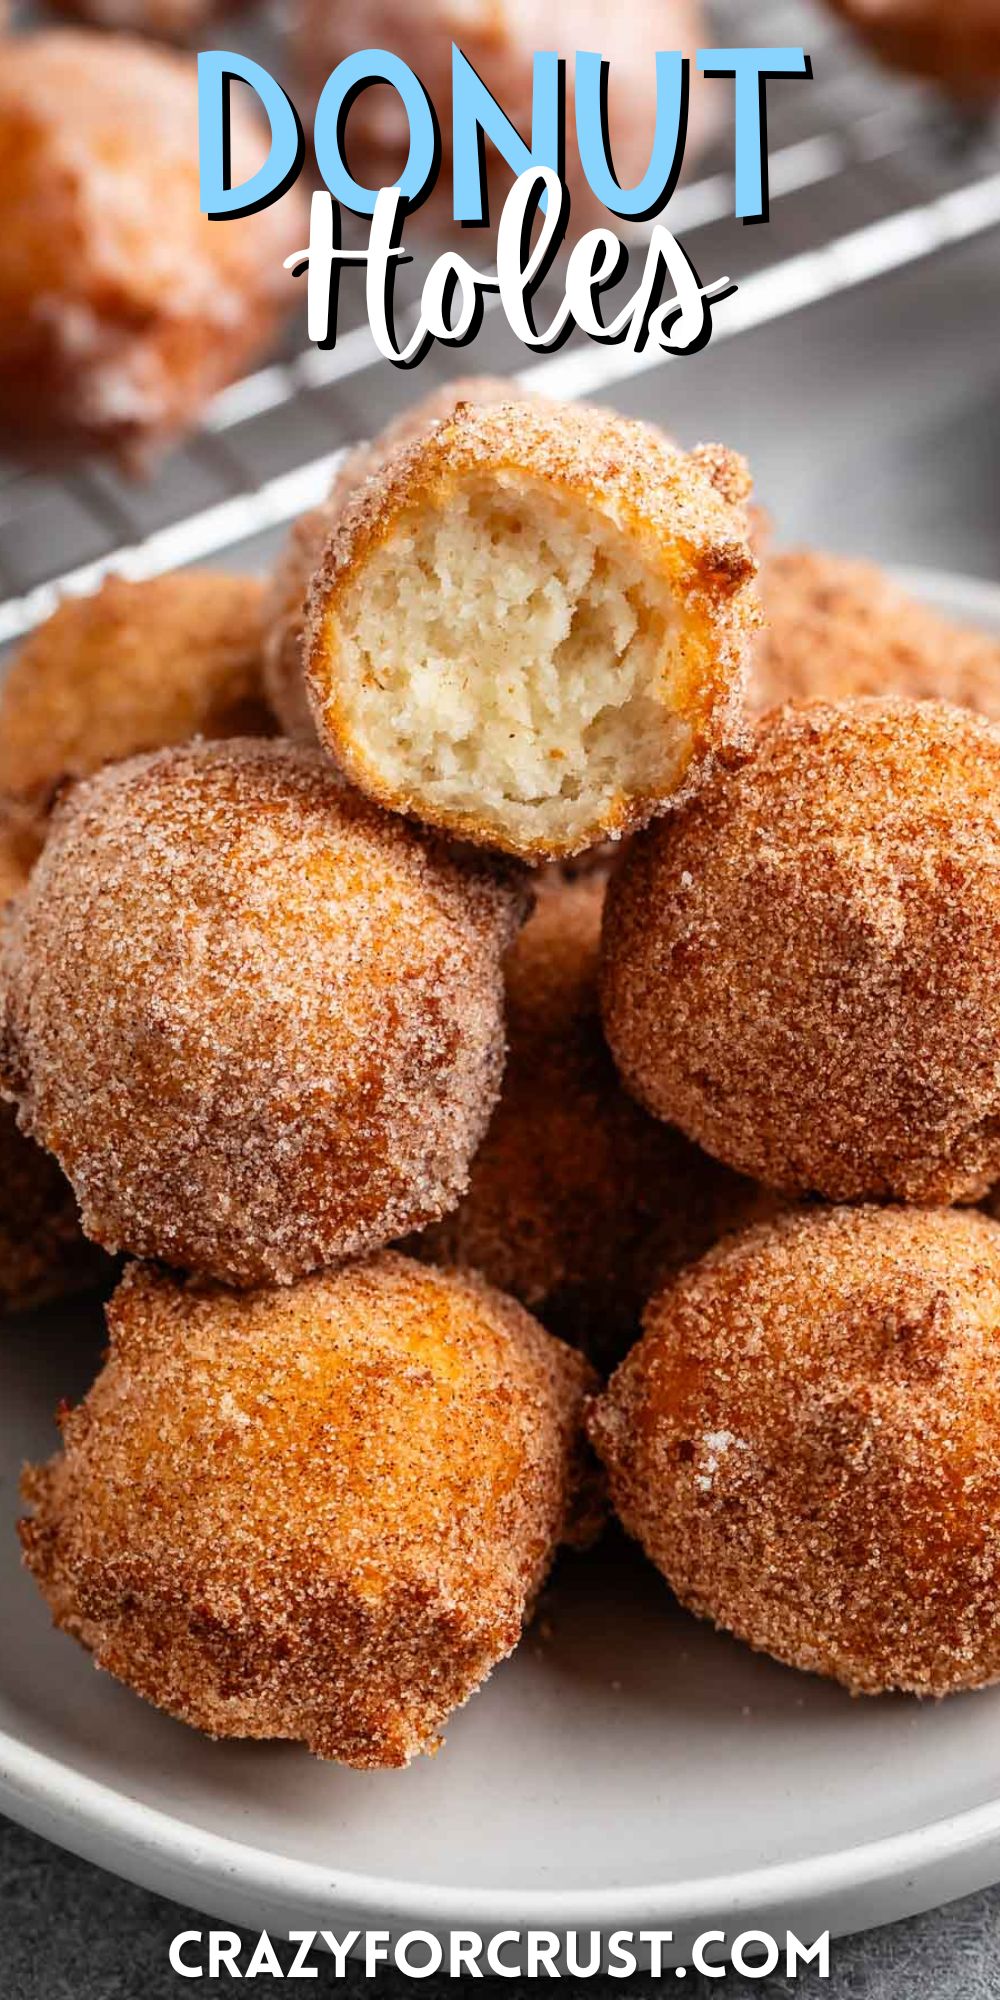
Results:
70 1801
132 1825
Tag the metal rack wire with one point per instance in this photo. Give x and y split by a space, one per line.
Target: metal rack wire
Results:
866 175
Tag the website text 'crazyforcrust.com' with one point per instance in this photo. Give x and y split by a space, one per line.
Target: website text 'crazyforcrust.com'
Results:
505 1954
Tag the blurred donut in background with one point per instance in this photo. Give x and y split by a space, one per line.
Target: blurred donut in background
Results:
135 666
16 860
836 628
499 37
173 20
123 309
955 44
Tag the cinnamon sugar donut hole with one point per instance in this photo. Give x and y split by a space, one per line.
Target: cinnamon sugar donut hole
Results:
44 1254
284 615
499 37
800 969
834 628
286 598
532 627
320 1514
170 20
259 1023
579 1203
807 1443
135 666
123 308
956 45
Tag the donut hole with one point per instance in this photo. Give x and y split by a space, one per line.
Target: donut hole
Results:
507 658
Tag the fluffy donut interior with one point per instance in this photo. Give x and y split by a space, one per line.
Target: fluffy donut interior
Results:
508 655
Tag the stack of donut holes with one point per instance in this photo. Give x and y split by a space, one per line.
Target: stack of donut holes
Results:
506 1009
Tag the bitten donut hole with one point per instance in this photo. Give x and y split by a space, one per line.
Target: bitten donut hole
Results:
505 655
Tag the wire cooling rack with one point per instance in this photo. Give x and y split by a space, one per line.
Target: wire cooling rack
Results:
867 174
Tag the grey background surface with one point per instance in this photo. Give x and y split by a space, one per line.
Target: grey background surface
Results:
70 1932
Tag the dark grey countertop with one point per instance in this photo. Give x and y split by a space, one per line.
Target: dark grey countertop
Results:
873 425
70 1932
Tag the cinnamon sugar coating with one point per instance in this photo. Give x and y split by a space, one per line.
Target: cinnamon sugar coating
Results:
320 1514
122 307
579 1203
135 666
807 1443
800 969
835 628
532 627
957 45
284 614
259 1023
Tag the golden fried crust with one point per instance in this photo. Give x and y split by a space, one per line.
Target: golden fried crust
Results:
258 1022
835 628
800 970
285 603
320 1514
956 45
122 307
579 1203
135 667
807 1443
676 508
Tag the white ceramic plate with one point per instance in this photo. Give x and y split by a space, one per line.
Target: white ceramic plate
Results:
627 1768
